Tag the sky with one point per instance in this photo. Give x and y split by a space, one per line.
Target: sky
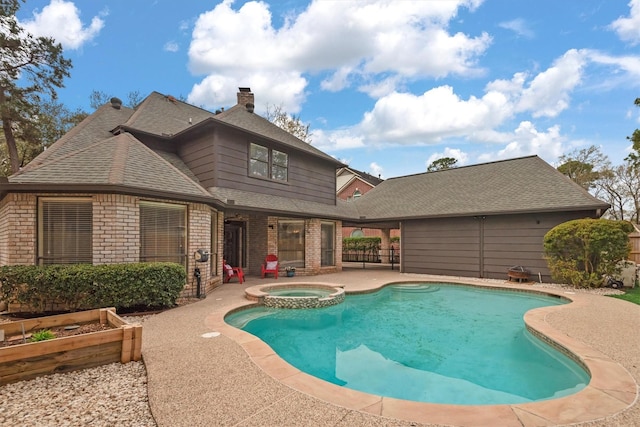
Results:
386 87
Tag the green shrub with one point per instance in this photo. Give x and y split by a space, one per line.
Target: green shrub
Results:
84 286
361 243
581 252
42 335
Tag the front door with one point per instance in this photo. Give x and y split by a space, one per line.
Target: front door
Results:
235 243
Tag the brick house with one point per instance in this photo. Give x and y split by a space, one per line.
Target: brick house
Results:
162 181
352 184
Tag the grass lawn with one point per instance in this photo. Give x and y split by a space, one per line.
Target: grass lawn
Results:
631 295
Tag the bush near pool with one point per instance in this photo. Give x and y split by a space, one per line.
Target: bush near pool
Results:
84 286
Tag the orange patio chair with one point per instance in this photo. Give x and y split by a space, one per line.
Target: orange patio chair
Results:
270 266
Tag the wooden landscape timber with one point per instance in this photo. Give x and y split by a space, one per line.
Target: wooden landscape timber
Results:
122 343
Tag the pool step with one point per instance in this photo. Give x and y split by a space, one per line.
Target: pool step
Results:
417 288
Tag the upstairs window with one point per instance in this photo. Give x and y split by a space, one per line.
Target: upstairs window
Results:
268 164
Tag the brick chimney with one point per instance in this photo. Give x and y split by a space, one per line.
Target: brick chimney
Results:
245 98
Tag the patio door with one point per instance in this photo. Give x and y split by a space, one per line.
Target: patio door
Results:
235 245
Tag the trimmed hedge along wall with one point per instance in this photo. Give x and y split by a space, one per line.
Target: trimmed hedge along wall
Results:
85 286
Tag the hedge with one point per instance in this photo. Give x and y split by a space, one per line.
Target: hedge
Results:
85 286
583 251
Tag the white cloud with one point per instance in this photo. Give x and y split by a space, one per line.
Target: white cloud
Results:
338 81
629 65
548 93
61 20
628 29
171 46
527 140
355 42
270 88
401 118
518 26
405 118
344 139
375 169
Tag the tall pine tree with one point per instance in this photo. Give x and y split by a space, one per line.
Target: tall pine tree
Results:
30 67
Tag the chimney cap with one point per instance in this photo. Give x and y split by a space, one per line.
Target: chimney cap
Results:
116 103
244 89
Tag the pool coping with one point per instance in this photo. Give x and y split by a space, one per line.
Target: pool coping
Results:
611 390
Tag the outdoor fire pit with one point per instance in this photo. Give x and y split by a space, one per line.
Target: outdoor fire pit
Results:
518 273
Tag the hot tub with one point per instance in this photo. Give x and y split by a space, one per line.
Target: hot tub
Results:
296 295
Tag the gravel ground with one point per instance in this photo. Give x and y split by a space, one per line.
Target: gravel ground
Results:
109 395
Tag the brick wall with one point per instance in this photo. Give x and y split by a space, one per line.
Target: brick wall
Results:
312 248
18 221
116 229
357 183
199 237
258 237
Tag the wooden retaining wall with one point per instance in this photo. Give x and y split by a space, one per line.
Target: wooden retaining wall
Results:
19 362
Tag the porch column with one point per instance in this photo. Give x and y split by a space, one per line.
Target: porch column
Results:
385 245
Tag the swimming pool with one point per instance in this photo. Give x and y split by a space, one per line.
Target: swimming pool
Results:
435 343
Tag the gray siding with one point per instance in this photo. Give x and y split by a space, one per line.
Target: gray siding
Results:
221 158
441 246
480 247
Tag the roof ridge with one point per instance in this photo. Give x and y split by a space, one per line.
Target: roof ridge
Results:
468 166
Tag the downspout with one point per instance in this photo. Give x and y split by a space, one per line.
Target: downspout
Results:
481 220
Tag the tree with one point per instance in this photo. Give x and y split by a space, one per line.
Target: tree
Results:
620 187
584 166
98 98
292 124
634 157
582 251
52 121
29 67
442 164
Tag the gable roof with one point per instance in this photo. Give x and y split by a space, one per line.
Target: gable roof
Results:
346 175
526 184
164 115
238 117
120 161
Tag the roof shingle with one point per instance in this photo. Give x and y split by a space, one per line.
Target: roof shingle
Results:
526 184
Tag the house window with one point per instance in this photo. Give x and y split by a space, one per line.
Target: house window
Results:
65 231
328 240
163 232
291 243
269 164
357 233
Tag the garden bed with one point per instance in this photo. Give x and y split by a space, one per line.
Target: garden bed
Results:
85 339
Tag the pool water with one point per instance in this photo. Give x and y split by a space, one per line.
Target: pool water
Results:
429 343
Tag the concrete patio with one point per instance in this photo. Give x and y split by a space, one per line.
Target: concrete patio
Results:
234 379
